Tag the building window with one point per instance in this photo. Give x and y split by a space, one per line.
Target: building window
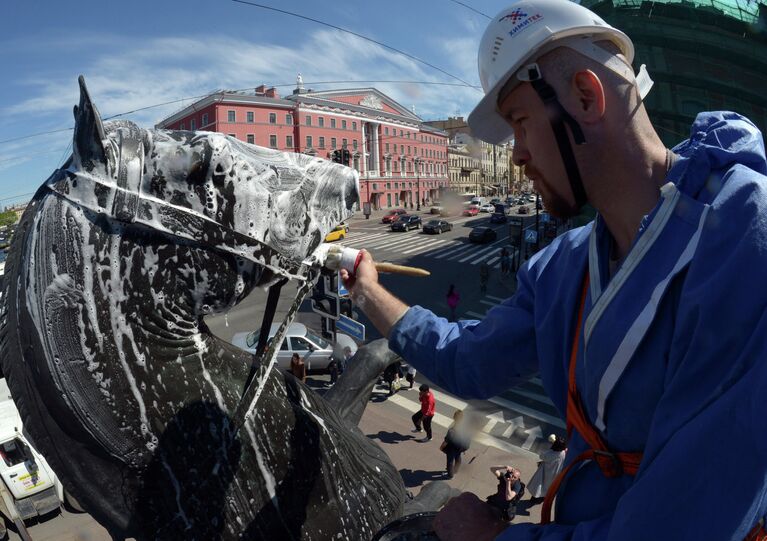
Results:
192 125
357 163
181 126
402 149
251 139
388 199
354 126
322 142
343 124
386 146
375 186
344 143
400 133
332 122
332 142
289 141
272 118
230 116
204 123
321 122
308 141
273 141
386 130
408 149
289 119
308 120
249 117
396 199
354 144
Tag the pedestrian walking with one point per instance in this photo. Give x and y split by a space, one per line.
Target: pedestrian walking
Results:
505 262
392 376
298 367
426 413
484 276
452 301
548 468
410 376
456 442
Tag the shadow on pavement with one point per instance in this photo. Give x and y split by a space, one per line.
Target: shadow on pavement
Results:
390 437
415 478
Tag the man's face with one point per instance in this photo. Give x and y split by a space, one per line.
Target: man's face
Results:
536 149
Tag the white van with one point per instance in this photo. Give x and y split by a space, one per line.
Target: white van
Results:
317 352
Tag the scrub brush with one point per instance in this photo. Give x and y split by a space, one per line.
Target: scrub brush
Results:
340 257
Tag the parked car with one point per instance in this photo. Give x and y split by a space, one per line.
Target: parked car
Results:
472 210
523 210
436 208
338 233
487 207
437 226
392 215
495 201
482 235
406 223
498 218
316 351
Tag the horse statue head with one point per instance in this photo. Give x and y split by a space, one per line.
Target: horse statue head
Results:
133 401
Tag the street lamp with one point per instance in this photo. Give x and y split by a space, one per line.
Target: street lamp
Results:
417 183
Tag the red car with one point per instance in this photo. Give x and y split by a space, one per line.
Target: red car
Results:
392 215
471 211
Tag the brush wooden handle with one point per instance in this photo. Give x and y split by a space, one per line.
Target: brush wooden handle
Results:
401 269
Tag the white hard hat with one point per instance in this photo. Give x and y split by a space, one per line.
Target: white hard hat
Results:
523 32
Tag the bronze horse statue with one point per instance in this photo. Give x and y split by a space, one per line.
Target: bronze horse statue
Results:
157 427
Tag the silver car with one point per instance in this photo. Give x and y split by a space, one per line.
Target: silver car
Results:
316 351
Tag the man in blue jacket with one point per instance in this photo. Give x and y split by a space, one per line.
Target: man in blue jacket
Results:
648 326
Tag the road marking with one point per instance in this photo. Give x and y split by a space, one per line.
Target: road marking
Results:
530 412
499 299
491 303
405 242
476 253
443 253
475 315
425 246
533 434
542 398
493 419
513 424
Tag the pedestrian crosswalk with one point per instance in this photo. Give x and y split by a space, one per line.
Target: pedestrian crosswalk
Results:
524 424
416 243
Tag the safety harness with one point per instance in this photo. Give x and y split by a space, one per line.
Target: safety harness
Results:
611 463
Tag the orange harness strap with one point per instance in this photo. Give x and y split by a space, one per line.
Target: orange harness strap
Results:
611 464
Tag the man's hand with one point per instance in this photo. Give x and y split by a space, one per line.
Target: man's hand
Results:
466 517
365 275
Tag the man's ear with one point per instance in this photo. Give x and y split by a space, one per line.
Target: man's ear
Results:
590 96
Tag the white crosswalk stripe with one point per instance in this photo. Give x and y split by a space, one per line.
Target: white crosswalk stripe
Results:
424 246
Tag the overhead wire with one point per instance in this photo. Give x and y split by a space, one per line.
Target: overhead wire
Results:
341 29
471 8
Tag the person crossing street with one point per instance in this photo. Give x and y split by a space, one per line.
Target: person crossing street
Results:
426 413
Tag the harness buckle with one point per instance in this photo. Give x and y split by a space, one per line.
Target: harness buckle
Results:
609 463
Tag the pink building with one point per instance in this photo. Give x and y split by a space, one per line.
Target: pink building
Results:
402 162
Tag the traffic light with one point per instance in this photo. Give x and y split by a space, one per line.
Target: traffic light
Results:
346 157
337 156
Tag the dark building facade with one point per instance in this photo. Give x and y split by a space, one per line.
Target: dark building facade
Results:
703 55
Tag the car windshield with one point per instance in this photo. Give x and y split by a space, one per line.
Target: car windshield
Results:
403 218
433 222
324 344
252 339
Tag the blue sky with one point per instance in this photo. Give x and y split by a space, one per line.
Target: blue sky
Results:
138 53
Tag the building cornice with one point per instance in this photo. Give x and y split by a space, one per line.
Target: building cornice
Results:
224 99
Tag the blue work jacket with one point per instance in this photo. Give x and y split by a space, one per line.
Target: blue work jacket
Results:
672 359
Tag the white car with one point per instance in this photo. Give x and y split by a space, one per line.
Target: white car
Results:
317 352
487 207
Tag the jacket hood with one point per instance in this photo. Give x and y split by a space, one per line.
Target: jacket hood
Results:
718 140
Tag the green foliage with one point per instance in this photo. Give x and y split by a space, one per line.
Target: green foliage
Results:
7 218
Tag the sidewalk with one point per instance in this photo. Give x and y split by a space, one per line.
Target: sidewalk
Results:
387 422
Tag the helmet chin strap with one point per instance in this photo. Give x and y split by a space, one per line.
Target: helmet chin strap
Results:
558 117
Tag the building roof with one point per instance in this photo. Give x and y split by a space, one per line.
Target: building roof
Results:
224 97
747 11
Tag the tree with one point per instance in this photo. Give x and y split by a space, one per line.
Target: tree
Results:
7 218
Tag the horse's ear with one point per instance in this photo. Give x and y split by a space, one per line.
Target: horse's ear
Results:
88 143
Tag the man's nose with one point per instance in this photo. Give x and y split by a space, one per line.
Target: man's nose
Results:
519 155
